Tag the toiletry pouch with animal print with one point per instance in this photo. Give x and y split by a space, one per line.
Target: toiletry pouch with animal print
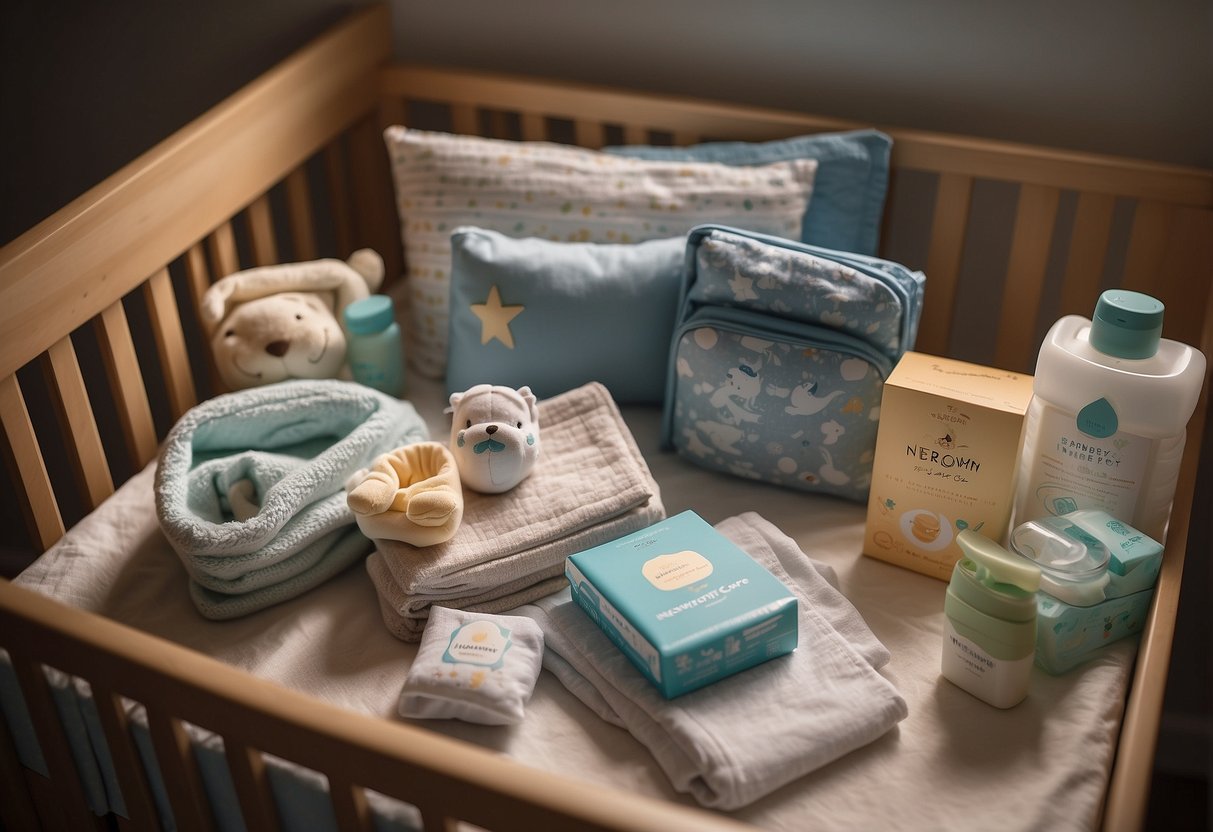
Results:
779 358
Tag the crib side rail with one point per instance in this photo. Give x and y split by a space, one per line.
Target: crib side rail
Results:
102 347
445 779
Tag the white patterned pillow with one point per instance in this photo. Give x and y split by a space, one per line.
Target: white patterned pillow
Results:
564 193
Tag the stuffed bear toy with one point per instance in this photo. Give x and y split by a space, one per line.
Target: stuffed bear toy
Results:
278 322
494 436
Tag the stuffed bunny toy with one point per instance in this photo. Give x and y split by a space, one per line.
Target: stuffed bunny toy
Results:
277 322
494 436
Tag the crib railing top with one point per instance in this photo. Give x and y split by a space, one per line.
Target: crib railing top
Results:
690 120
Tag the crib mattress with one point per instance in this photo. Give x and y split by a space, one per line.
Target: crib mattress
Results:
954 763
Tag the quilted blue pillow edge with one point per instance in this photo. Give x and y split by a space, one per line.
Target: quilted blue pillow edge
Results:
849 190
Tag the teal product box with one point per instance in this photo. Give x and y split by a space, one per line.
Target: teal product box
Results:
1067 636
684 603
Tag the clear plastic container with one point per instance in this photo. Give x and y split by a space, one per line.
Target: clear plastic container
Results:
1073 564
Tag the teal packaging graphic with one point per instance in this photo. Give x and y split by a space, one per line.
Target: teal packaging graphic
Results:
1098 575
479 642
1068 635
684 603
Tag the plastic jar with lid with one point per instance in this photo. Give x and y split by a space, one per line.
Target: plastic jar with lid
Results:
374 348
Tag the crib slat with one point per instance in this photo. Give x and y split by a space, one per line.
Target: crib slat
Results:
635 134
182 780
685 138
222 245
17 810
534 127
1026 265
1088 253
498 125
392 110
65 780
349 805
261 231
198 277
1147 243
434 821
170 342
122 369
339 197
77 413
948 225
1183 278
136 793
299 214
371 190
591 134
42 506
252 786
1151 265
463 119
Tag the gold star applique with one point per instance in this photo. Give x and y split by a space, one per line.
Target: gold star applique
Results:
495 319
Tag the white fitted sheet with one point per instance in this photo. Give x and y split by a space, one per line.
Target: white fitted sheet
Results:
953 763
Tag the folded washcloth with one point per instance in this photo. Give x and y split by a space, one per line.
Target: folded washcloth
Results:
738 739
249 487
590 485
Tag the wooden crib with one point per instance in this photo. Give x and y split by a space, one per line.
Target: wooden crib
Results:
101 352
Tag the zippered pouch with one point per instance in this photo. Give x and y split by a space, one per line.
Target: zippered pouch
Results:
779 358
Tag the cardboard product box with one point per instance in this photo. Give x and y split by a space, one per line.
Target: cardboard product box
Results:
947 452
684 603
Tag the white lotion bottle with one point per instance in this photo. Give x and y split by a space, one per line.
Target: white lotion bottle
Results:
1108 418
989 629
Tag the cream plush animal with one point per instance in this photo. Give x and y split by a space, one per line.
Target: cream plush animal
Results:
494 436
277 322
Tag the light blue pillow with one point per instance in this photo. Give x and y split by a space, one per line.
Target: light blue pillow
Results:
555 315
848 191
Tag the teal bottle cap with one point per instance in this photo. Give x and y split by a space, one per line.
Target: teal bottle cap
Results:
369 315
1127 324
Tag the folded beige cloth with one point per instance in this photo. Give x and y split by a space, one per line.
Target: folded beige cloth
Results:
590 485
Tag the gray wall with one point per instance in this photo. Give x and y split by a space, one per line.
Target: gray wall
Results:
86 87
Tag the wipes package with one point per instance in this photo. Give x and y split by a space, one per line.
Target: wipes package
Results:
684 603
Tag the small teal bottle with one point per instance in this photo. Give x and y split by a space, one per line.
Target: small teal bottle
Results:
374 349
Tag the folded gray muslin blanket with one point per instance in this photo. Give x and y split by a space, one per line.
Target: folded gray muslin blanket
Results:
734 741
250 487
590 485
